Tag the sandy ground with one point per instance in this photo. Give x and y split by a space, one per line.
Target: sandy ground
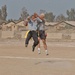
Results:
15 59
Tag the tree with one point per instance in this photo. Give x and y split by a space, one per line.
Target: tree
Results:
42 11
10 20
60 17
71 14
24 13
0 15
49 17
4 12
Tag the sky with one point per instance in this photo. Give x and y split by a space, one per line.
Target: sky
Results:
14 7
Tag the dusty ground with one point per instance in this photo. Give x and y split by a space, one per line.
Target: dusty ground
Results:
15 59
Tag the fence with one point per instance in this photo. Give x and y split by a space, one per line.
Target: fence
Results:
50 36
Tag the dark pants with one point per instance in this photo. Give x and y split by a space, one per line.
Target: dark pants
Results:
34 35
42 34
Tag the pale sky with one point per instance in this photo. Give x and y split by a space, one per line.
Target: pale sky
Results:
56 6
